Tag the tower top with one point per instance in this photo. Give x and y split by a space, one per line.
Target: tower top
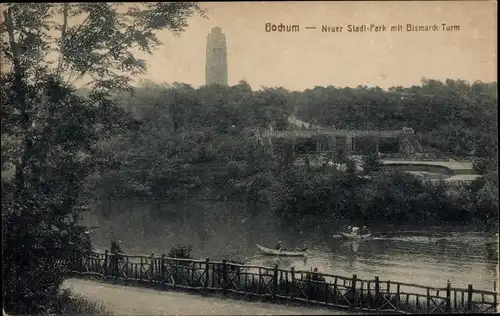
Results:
216 30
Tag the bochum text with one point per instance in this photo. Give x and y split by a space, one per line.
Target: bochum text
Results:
282 27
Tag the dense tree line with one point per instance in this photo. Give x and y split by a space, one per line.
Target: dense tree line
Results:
452 117
204 142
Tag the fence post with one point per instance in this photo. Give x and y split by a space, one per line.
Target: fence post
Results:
127 269
152 268
275 279
206 272
258 283
113 265
353 287
335 291
398 297
495 296
428 300
361 296
309 286
215 274
377 292
448 296
292 270
162 266
106 260
175 277
193 270
224 274
162 269
469 297
140 268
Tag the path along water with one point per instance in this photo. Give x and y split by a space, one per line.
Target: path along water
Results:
128 300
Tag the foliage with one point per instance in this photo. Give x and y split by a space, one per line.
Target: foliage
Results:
115 247
371 163
394 197
53 138
206 143
484 165
233 257
191 140
70 304
460 118
41 205
98 50
181 252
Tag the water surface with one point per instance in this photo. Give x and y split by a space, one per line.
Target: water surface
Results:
422 255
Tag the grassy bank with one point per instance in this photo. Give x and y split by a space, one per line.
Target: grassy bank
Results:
74 304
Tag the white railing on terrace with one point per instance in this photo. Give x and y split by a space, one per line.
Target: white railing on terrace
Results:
338 132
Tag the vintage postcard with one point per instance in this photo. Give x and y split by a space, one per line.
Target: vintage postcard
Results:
249 158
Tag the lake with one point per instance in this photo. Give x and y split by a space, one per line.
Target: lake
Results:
423 255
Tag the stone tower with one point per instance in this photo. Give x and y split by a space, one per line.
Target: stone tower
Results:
216 64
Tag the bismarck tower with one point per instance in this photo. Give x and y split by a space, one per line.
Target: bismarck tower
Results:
216 64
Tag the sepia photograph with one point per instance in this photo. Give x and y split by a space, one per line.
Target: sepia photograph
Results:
249 158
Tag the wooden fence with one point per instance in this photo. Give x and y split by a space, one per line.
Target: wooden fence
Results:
293 285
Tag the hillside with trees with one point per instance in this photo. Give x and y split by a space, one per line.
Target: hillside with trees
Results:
453 117
203 144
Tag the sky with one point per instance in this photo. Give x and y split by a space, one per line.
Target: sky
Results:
308 58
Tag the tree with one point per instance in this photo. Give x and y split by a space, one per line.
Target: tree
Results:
180 251
483 165
371 163
340 156
52 137
350 166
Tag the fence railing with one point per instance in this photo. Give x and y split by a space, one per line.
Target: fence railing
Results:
294 285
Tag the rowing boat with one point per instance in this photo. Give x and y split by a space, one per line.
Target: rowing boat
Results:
276 252
355 236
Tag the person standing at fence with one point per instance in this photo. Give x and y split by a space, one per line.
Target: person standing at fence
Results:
280 246
315 276
115 258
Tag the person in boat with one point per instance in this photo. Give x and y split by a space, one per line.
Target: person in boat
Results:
365 230
355 230
279 246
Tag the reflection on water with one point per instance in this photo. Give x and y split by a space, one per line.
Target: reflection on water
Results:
412 256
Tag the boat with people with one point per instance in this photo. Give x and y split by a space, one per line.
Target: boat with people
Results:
282 252
355 233
355 236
